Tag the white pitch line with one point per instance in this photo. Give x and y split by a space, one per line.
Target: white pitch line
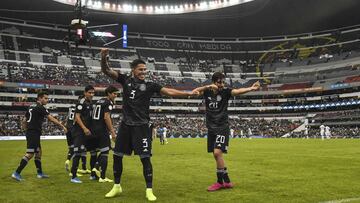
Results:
342 200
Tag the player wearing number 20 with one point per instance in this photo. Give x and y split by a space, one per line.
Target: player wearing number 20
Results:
34 119
134 133
216 98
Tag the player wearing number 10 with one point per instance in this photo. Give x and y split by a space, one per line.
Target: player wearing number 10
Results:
34 119
216 98
134 134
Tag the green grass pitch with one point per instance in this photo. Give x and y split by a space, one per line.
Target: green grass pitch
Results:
263 170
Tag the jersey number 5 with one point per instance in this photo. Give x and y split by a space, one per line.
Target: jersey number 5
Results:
29 120
132 94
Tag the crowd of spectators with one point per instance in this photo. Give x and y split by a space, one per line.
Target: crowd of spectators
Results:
177 126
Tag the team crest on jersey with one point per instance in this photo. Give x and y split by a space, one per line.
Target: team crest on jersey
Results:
142 87
79 107
218 98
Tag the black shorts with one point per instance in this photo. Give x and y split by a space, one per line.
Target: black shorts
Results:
82 142
103 140
79 141
133 138
33 142
218 139
69 139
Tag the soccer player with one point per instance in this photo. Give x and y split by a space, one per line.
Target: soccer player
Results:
101 127
322 131
134 134
33 123
164 135
70 142
81 132
232 131
216 98
327 132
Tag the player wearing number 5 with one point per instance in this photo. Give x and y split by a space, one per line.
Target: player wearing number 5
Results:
34 119
216 98
134 134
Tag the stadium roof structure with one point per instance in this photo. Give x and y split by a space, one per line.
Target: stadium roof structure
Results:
255 18
156 7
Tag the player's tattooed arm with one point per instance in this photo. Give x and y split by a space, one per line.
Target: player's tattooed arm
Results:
54 120
109 125
24 124
239 91
176 93
200 90
105 64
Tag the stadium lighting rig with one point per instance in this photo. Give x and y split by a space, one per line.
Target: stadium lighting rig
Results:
157 9
80 33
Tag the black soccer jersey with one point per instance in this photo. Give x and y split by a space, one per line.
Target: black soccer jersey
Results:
71 117
84 108
216 107
136 97
35 117
101 107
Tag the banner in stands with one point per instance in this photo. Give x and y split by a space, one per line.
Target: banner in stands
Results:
21 103
184 45
303 90
24 138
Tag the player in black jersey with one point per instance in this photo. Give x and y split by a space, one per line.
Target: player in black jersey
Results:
83 140
216 98
70 141
34 119
101 127
134 134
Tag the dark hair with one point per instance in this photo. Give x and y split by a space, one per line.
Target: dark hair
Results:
217 76
110 89
136 62
41 94
89 87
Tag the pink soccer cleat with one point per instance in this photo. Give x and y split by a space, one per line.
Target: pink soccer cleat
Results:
215 187
228 185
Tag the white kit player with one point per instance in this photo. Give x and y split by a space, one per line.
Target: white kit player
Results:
164 135
232 133
322 131
327 132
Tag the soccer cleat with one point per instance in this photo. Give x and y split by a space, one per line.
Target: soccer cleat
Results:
42 176
84 171
16 176
215 187
96 171
77 174
150 195
93 178
115 191
67 165
105 180
228 185
75 180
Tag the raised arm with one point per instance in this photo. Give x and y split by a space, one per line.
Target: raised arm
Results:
201 90
176 93
54 120
236 92
105 65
